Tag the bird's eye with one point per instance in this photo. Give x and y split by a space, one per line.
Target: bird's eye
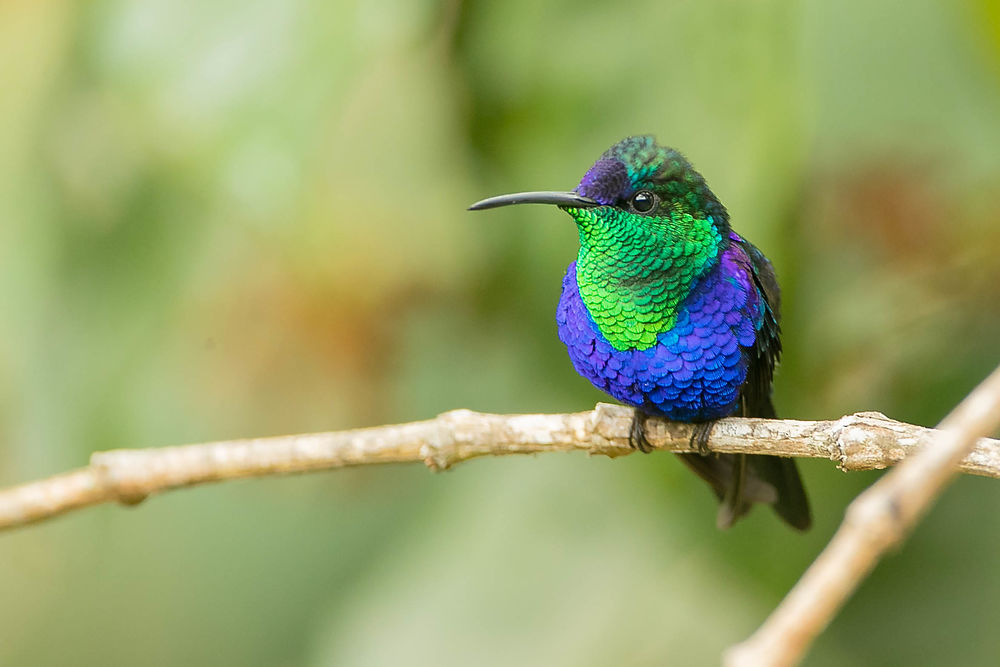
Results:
643 201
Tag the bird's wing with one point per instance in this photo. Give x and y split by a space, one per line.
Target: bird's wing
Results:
755 395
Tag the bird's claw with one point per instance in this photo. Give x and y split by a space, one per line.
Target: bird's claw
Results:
700 434
637 434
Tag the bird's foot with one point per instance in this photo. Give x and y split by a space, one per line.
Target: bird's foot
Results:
637 434
700 434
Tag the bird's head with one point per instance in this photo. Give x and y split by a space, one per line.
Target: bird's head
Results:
637 189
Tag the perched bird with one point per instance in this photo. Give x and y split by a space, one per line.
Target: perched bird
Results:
669 310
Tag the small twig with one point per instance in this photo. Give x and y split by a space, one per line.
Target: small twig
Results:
858 442
876 521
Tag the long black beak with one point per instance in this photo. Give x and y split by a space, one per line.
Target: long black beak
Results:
570 199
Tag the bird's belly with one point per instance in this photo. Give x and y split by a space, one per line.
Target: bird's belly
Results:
693 373
680 386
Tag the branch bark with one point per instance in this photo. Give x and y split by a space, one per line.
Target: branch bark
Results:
863 441
875 522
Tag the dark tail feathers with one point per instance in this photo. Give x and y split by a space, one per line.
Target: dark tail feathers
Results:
740 480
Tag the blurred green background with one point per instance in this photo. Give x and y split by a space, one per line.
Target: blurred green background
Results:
230 219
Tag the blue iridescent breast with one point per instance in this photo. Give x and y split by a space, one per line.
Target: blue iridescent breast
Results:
696 369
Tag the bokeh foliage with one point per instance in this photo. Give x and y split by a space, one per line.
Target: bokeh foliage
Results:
225 219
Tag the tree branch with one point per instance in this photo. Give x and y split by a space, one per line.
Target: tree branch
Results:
864 441
876 521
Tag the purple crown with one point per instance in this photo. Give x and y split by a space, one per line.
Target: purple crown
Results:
606 182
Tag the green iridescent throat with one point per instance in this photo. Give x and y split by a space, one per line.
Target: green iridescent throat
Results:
634 271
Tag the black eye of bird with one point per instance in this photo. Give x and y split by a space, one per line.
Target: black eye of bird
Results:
643 201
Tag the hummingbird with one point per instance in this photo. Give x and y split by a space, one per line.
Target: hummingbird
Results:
670 311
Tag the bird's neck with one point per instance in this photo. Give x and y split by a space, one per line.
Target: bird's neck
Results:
633 275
